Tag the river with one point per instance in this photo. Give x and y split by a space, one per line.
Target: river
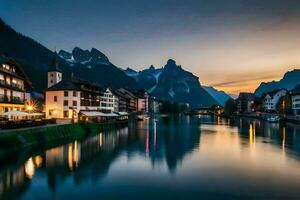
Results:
177 157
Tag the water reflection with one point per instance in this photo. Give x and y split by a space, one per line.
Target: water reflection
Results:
186 155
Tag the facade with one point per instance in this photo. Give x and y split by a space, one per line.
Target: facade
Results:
271 99
127 100
13 83
109 101
143 103
245 102
67 98
296 100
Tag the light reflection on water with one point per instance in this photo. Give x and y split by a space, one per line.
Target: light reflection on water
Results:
176 157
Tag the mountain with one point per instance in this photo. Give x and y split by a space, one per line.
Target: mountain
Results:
220 96
290 80
35 59
173 83
81 56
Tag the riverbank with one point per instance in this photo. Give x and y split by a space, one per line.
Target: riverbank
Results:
283 118
14 141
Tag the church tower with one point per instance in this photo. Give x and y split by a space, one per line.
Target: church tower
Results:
54 73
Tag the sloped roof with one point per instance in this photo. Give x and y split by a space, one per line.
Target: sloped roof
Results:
296 90
77 84
54 64
19 70
272 93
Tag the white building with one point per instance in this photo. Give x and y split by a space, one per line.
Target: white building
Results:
271 99
109 101
296 100
64 99
54 73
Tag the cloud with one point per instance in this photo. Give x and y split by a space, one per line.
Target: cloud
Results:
240 82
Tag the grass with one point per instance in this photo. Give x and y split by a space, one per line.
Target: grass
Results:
16 140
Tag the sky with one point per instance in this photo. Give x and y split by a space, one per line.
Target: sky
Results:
233 45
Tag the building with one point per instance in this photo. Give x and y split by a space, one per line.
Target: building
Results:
54 72
143 102
71 96
109 101
64 99
245 102
271 99
295 93
13 83
127 100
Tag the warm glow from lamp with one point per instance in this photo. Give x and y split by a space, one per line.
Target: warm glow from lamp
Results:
31 106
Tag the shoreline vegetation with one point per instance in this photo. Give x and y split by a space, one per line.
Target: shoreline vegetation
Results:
18 141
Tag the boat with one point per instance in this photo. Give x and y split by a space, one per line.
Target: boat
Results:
271 116
140 117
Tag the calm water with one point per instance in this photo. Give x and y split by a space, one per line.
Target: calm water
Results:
175 158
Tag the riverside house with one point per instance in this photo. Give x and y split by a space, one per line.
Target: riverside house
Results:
245 102
143 102
64 99
13 83
271 99
127 100
295 93
109 101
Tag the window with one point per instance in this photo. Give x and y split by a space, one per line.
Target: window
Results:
51 75
74 103
66 114
74 93
65 102
51 81
55 98
66 93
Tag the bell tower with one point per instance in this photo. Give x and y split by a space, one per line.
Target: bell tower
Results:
54 73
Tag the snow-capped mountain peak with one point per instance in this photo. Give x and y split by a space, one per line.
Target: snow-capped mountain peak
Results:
84 57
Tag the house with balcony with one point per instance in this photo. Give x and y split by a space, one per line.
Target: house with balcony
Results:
271 99
295 93
109 101
13 83
127 101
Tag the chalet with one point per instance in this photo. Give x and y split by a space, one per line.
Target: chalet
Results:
271 99
13 83
109 101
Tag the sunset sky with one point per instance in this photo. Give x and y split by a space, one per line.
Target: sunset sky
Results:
232 45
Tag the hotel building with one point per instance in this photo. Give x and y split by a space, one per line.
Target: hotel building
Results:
13 83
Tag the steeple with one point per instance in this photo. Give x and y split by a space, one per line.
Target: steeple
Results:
54 72
54 67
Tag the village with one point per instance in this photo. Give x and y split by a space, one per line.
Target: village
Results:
65 100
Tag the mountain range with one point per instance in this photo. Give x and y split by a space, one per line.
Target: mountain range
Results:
35 60
173 83
289 81
170 82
